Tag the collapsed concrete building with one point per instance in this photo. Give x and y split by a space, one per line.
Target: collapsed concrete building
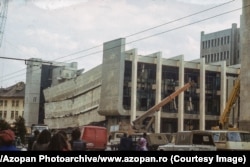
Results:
127 84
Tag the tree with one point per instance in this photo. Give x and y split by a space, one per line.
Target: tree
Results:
4 125
20 128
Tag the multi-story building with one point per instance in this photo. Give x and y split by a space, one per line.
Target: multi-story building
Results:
40 75
12 102
127 84
221 46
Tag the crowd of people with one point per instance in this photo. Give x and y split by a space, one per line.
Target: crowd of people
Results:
59 141
44 141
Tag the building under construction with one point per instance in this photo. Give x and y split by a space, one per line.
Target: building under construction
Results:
127 84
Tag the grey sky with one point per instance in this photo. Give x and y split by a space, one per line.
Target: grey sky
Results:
51 29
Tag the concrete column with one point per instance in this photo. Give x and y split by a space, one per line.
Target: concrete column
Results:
230 85
158 91
234 43
133 86
181 95
202 93
32 91
244 121
223 87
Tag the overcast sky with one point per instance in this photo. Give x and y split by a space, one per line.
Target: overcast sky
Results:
62 29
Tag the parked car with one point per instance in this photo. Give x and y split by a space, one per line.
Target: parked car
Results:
191 141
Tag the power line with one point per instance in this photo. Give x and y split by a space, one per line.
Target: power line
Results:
180 19
154 34
100 45
150 36
93 53
81 51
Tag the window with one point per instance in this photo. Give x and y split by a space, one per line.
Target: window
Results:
218 41
228 39
245 137
221 56
1 114
12 115
209 44
5 103
1 102
5 114
34 99
216 137
13 103
16 114
221 41
227 54
17 103
233 136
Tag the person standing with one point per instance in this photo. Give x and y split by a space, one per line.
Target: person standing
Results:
7 138
58 143
65 137
76 143
123 142
126 143
42 142
143 142
33 139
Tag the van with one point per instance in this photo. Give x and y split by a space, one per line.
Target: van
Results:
95 137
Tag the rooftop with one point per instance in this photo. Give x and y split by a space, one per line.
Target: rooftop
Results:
17 90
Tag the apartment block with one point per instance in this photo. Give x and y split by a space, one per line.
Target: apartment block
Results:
222 45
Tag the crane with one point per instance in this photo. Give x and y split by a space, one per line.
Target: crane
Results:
3 17
224 118
138 122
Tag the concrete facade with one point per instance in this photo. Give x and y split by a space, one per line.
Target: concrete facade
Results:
245 75
128 84
40 75
75 102
221 46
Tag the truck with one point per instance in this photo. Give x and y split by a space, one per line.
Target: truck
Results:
139 126
95 137
195 140
39 127
153 139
